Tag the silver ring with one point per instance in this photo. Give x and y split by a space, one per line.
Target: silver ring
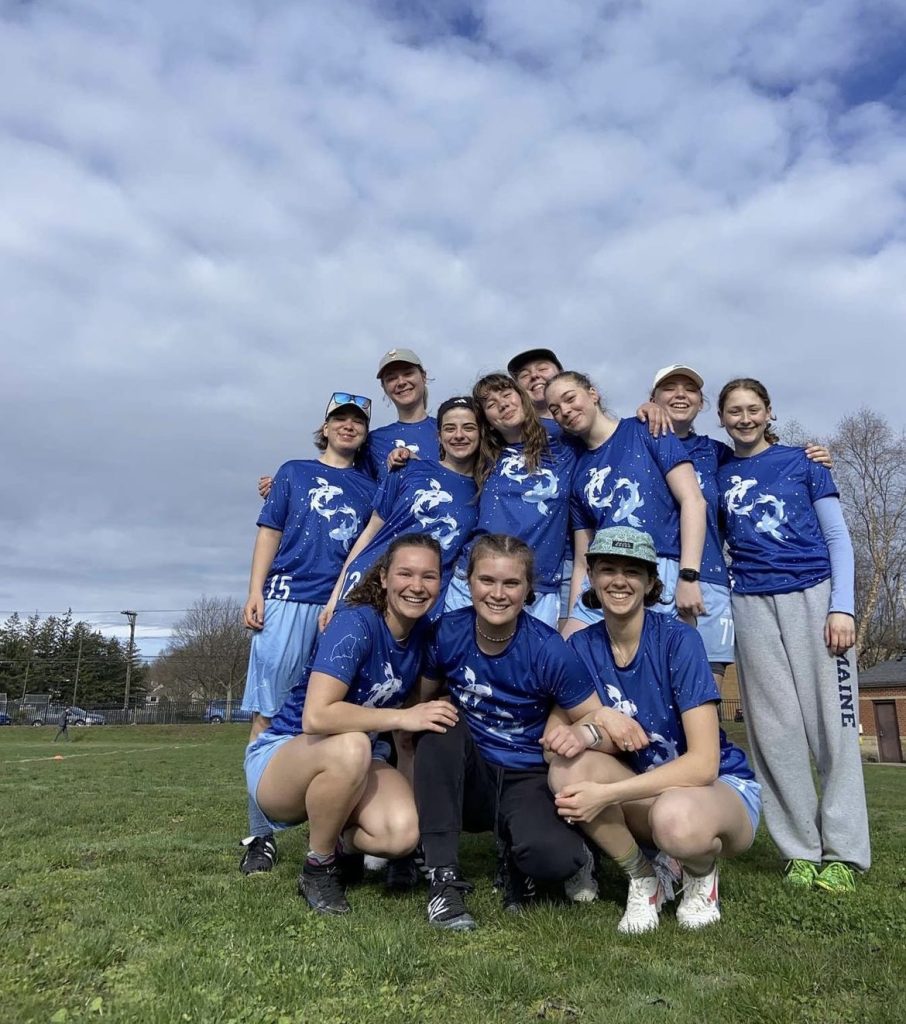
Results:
569 821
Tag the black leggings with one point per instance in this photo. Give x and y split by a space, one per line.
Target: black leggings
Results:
457 790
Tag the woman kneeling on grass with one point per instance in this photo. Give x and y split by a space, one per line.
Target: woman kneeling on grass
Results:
664 774
316 762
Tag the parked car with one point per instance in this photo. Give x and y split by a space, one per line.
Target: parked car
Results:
5 719
217 712
52 714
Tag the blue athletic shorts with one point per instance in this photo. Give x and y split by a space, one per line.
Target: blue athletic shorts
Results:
667 571
750 793
279 653
545 607
716 626
260 751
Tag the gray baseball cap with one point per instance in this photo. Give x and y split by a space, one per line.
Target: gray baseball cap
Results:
398 355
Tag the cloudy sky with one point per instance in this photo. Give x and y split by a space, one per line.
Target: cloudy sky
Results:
213 215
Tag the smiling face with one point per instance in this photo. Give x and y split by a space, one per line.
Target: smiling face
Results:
345 431
532 378
412 584
620 584
574 407
745 416
504 411
404 384
499 587
681 398
459 437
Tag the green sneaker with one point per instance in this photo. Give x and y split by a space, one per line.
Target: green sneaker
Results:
801 873
836 877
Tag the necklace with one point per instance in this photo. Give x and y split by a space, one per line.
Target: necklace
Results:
494 639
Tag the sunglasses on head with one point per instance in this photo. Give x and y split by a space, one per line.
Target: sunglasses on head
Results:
342 398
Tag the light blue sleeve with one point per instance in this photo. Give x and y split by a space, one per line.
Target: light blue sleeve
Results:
840 549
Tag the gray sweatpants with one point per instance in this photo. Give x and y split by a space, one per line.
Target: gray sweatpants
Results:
797 698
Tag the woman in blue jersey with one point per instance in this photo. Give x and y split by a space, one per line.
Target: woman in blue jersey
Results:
627 477
663 774
524 480
405 384
313 514
315 762
515 683
792 571
437 498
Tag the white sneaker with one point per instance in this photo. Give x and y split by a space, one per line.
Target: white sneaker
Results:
582 887
700 905
643 904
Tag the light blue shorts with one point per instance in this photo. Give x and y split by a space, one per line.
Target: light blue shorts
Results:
750 793
260 751
545 607
565 583
667 570
279 653
716 625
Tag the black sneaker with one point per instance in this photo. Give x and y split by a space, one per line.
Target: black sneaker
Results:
260 854
518 888
351 866
402 874
322 887
446 906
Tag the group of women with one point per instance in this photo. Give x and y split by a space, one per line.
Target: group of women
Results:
437 558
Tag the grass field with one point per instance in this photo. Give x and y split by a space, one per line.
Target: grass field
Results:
120 900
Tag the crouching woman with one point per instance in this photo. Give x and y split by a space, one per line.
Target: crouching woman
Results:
317 761
663 775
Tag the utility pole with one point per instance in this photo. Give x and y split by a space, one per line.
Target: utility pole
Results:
78 664
131 616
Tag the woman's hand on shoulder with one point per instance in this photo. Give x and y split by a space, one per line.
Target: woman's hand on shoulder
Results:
819 453
264 485
429 716
839 633
624 732
659 422
397 458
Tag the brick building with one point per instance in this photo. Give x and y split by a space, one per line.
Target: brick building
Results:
882 709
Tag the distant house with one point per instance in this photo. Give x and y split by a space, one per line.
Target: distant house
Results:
882 709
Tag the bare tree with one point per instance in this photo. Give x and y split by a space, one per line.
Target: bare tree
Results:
208 655
870 470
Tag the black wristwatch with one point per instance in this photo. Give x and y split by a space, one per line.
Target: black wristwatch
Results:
690 575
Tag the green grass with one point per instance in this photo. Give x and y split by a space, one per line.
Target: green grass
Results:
120 900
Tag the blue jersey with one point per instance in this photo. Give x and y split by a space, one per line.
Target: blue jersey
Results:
775 540
531 506
506 698
706 454
320 511
668 675
420 438
422 497
358 648
623 483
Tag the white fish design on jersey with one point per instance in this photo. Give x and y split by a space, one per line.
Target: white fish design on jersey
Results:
512 466
541 492
347 527
444 529
735 495
594 489
473 692
771 523
662 750
382 691
621 703
631 501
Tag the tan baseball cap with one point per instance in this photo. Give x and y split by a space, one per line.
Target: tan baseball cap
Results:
398 355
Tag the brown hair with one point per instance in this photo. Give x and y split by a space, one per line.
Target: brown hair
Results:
321 440
749 384
502 545
535 442
424 378
370 590
590 598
